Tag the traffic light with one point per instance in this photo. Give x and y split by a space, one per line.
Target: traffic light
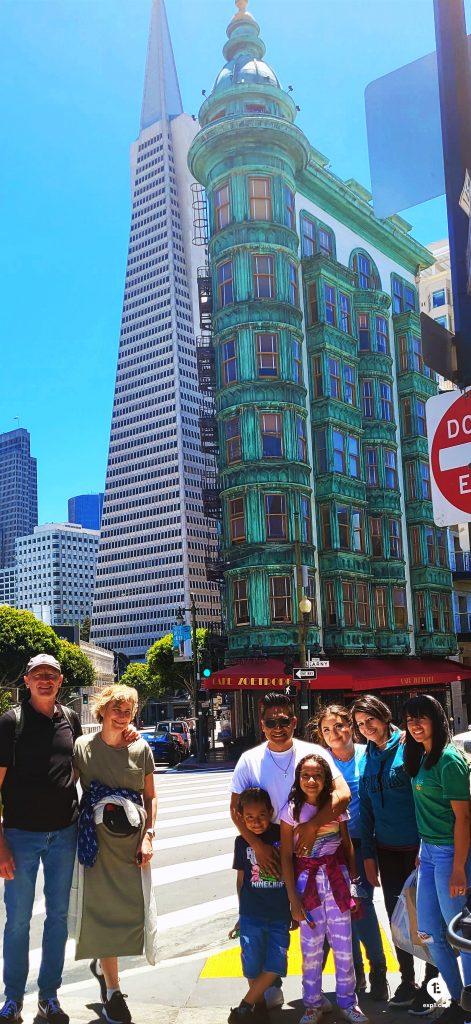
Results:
84 698
205 663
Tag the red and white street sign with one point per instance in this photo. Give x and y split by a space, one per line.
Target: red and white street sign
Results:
449 443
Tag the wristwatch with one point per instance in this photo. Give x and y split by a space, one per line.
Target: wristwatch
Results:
150 832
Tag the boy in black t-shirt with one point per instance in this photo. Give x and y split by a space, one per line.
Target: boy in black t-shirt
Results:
264 910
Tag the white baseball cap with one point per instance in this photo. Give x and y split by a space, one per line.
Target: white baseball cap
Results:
42 659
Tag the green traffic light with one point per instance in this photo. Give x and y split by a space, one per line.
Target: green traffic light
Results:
206 672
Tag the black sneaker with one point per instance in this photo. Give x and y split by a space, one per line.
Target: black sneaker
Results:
261 1014
50 1010
453 1014
241 1013
379 988
99 977
115 1010
404 994
11 1010
423 1004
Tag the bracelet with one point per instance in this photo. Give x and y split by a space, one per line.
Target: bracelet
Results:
150 832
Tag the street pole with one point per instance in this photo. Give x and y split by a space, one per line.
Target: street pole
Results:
454 80
304 700
196 683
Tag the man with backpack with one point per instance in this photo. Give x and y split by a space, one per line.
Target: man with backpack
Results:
40 813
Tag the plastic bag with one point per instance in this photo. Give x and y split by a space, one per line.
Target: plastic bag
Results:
404 921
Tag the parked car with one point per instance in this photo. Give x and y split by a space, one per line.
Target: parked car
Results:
165 747
178 729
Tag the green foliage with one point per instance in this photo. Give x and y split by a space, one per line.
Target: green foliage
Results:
171 674
21 637
137 675
77 669
5 700
85 629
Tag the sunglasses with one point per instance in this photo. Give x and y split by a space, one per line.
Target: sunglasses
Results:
274 723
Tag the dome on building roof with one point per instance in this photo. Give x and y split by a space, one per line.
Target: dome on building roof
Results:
245 69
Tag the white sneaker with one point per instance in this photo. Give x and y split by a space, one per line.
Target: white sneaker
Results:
274 997
312 1015
354 1014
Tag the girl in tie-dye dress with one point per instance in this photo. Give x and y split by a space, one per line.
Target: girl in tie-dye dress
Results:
320 892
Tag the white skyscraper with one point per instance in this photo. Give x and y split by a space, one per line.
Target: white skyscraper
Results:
154 534
55 572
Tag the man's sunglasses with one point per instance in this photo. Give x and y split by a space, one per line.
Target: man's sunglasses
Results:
274 723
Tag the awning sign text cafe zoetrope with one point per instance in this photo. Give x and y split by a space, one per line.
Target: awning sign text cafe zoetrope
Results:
259 682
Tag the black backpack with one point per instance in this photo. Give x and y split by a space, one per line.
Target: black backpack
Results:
20 721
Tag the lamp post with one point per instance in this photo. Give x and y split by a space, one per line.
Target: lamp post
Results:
305 608
180 617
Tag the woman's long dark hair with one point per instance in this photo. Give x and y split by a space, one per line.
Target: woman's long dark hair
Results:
424 706
371 705
296 795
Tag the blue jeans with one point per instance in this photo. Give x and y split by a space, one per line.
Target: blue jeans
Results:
366 928
436 908
263 946
56 850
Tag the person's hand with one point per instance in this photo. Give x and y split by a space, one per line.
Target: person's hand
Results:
235 931
355 911
7 862
145 851
458 882
297 911
294 925
371 872
130 734
304 838
268 859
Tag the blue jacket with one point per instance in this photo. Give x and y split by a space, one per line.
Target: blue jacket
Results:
387 814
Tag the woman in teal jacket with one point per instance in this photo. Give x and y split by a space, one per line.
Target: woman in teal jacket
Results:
389 836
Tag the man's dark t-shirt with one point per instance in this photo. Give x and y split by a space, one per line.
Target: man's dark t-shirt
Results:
262 895
38 791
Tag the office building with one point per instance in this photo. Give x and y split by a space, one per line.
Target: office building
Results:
18 492
8 586
86 510
55 572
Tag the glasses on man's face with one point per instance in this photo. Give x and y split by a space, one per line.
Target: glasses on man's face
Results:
277 723
45 678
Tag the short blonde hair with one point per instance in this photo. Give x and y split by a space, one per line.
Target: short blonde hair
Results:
118 692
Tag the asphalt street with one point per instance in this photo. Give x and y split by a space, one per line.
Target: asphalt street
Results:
198 976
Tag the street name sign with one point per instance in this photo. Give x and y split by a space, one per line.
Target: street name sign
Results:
318 663
304 673
449 439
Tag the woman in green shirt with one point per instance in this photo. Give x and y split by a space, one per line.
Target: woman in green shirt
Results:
440 787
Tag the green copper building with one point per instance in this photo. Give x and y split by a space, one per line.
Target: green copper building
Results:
319 387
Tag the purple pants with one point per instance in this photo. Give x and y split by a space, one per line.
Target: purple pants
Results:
337 925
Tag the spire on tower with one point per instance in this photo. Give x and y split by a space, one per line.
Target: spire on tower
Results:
161 89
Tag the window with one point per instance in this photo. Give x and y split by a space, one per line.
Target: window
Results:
430 545
435 605
233 441
425 480
417 361
371 458
229 362
313 305
385 394
241 602
367 398
395 538
357 530
260 198
411 481
290 215
403 359
308 237
343 522
276 521
321 451
421 424
267 355
363 605
353 456
326 530
390 468
442 320
237 520
225 283
416 556
311 594
330 604
334 378
301 437
349 389
297 352
438 298
345 317
420 611
280 598
306 521
381 607
442 549
364 336
338 443
222 209
272 441
382 340
399 606
326 241
263 270
366 276
404 296
407 416
348 604
317 377
330 304
293 284
446 607
376 537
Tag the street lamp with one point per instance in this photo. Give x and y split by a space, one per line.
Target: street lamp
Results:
305 608
180 618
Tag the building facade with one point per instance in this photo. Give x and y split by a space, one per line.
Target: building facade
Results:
55 572
18 492
8 586
319 385
155 537
86 510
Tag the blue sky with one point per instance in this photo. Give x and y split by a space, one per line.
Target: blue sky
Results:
71 76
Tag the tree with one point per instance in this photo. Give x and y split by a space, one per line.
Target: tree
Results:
171 674
22 636
77 669
85 629
137 675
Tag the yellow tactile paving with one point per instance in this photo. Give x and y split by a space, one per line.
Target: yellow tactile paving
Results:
227 964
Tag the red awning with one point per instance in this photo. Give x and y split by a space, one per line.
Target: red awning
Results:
352 674
265 674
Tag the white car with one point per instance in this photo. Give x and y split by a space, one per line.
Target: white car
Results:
462 740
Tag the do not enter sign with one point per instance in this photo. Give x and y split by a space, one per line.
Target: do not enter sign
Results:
449 438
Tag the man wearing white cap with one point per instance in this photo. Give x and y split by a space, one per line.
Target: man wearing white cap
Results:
40 812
